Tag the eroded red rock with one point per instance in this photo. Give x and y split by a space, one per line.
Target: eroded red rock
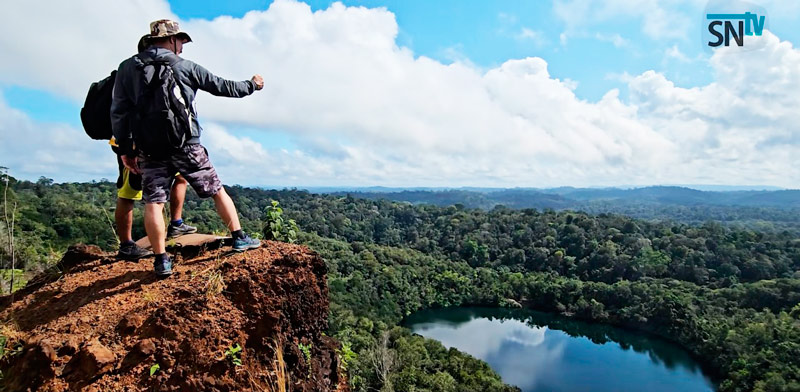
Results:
114 322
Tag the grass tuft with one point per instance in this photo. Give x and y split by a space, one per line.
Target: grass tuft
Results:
215 284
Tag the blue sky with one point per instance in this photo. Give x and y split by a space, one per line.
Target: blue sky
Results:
486 33
589 48
482 31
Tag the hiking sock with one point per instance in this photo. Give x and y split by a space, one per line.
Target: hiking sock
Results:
176 223
126 243
237 234
162 257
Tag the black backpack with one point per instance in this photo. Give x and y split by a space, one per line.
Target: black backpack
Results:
96 111
161 123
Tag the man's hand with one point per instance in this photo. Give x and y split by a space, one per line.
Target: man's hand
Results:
258 81
132 163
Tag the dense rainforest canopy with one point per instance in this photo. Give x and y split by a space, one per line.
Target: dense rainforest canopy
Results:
729 295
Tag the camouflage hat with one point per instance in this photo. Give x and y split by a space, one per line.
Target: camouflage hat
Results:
167 28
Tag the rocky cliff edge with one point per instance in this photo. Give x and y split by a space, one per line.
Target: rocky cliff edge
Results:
224 321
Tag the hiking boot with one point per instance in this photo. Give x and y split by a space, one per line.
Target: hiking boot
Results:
242 244
132 252
162 268
177 231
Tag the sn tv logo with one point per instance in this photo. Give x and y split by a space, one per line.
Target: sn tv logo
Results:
749 24
728 22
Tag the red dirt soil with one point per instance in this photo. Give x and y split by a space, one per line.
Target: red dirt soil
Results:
101 324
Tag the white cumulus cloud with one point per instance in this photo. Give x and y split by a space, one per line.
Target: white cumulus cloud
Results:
32 149
363 110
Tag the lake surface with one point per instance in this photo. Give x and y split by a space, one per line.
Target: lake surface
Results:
541 352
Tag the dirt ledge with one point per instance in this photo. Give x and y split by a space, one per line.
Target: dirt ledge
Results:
98 324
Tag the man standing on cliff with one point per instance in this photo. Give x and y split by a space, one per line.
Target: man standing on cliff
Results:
129 190
159 163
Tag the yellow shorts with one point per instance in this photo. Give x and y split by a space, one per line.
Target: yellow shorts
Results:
129 185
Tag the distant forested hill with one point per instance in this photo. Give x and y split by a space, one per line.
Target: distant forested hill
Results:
760 210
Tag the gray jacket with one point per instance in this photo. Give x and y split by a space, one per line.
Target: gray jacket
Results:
190 76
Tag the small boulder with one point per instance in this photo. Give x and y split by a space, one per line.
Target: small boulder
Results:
145 347
79 254
140 352
92 360
69 348
44 350
130 323
35 366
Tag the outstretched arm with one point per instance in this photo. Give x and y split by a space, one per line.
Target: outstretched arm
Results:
216 85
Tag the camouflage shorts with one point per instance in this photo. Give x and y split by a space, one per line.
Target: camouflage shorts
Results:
193 164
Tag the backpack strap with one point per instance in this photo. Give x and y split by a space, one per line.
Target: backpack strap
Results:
143 59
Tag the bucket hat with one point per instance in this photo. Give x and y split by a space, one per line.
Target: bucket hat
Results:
167 28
